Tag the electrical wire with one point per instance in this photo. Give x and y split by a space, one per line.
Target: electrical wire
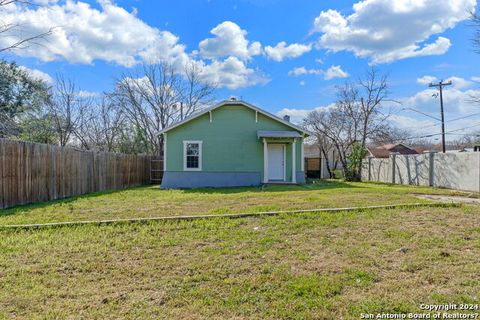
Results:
448 121
439 134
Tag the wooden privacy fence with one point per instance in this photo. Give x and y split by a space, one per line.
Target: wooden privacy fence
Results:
313 168
31 172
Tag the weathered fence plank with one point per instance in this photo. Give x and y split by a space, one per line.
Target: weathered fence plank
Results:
31 172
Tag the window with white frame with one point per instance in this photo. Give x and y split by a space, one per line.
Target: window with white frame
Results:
192 155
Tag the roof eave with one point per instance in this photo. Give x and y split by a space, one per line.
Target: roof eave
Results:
227 102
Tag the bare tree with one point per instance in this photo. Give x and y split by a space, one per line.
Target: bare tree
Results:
195 92
66 108
374 93
358 115
158 96
337 127
391 134
475 18
327 150
13 30
100 125
466 141
149 100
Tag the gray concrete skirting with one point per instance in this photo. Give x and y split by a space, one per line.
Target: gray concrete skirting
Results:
204 179
229 215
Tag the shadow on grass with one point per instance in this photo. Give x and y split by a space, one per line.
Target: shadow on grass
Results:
311 185
25 207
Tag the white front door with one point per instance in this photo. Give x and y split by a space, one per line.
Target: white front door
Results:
276 162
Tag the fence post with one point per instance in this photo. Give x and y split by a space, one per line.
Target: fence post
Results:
393 157
431 168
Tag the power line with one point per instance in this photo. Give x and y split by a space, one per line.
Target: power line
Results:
448 132
464 134
465 117
421 112
438 134
473 126
447 121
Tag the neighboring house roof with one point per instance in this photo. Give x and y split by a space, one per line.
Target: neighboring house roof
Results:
387 149
278 134
235 102
379 152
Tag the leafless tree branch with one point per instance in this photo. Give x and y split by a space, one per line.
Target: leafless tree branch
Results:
475 18
67 108
8 29
159 96
357 117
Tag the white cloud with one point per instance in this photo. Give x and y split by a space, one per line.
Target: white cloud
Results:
426 80
335 72
297 115
281 51
457 82
439 47
298 71
455 100
460 111
455 125
385 30
476 79
229 40
83 34
458 106
232 73
330 73
302 83
88 94
37 74
409 122
44 2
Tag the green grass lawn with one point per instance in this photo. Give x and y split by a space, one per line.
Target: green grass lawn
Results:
301 266
290 266
151 201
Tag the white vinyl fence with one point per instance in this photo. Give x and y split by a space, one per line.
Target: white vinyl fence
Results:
460 171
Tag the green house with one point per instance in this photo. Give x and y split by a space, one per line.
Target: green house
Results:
232 144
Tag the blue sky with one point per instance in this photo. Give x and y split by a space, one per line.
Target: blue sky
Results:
284 56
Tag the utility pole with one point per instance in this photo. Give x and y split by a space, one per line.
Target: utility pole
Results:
440 86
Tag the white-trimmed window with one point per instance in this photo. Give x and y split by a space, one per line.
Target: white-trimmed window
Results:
192 155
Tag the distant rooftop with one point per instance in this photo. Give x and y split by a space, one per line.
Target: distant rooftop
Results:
387 149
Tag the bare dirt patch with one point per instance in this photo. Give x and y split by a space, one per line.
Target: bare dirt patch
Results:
446 198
